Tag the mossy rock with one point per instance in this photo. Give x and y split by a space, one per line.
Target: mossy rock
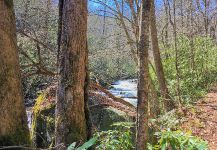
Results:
103 118
43 124
43 119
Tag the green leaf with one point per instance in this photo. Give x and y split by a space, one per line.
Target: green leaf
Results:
88 144
163 144
72 146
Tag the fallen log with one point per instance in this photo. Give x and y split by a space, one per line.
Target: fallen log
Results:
110 95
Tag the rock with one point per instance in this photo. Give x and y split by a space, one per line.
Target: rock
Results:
102 116
43 120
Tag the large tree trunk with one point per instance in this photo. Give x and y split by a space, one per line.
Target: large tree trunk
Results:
158 63
70 111
13 121
143 83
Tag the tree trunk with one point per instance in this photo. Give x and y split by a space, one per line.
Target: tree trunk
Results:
13 122
128 37
176 54
158 63
47 17
166 45
70 111
143 83
192 62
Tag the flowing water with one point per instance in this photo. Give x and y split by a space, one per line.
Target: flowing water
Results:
126 89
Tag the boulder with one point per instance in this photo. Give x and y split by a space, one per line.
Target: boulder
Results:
43 120
103 118
103 114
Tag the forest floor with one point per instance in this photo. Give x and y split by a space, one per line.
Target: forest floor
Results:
202 119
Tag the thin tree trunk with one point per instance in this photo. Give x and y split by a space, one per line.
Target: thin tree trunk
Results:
176 54
192 62
13 122
104 19
25 15
153 102
129 39
143 83
71 124
168 104
47 17
166 24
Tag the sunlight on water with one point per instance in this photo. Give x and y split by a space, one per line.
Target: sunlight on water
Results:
126 89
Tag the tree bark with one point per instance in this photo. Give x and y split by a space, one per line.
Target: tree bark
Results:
192 62
71 122
143 83
158 63
47 17
166 45
13 122
176 54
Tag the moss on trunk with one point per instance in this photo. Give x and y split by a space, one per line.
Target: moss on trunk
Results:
42 129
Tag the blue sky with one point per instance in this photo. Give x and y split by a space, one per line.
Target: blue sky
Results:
93 5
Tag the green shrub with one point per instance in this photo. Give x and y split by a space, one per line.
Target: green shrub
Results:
194 80
121 138
85 146
178 140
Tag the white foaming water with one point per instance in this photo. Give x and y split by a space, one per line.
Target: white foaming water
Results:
29 117
126 89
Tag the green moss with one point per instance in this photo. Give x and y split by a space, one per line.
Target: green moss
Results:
36 111
39 101
109 116
103 118
43 124
75 134
19 137
50 122
9 3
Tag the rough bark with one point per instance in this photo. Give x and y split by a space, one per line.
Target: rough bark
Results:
168 104
70 110
143 83
13 122
86 97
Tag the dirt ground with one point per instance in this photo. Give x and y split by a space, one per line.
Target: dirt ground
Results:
202 120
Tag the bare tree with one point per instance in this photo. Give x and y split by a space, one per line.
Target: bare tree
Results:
158 63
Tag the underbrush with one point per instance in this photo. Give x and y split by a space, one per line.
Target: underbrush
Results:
197 72
178 140
196 67
121 139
